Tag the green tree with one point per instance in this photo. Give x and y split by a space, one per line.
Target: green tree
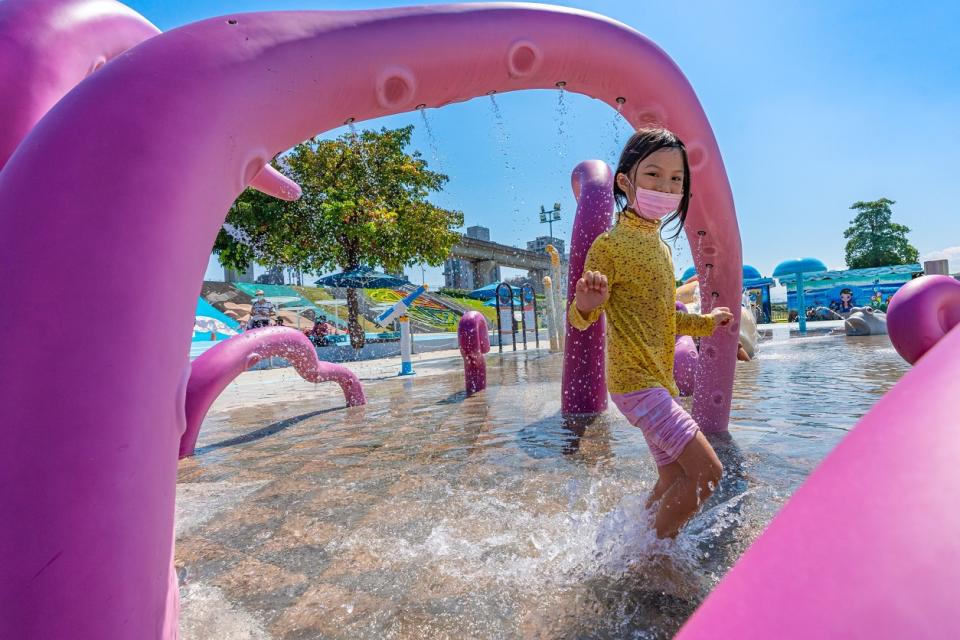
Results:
874 240
364 203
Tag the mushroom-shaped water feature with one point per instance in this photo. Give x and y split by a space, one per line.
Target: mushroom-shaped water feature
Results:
797 268
686 290
751 273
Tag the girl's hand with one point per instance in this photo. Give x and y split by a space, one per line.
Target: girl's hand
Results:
592 291
721 316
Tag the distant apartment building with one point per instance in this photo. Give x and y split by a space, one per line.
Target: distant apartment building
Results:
540 245
232 275
478 233
274 275
458 274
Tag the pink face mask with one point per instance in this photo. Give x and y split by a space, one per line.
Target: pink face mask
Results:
655 204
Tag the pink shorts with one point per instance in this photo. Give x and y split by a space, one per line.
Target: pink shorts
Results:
664 423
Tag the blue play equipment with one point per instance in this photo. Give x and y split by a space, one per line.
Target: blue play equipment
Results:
399 312
797 268
753 282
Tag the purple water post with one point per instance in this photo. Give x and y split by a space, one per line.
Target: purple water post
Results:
584 386
474 341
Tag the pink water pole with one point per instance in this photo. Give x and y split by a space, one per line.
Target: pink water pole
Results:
474 339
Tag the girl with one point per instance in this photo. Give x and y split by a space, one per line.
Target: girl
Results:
629 275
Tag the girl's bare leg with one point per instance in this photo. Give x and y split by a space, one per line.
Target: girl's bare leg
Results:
668 475
701 473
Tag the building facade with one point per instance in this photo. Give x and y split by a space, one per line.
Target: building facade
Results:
540 245
478 233
231 275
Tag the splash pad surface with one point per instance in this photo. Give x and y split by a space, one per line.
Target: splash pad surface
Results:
429 514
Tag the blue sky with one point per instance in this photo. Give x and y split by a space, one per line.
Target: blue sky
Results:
815 105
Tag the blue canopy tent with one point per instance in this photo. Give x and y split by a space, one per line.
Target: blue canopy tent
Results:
361 278
490 291
210 324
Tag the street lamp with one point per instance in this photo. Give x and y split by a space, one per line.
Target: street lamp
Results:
551 216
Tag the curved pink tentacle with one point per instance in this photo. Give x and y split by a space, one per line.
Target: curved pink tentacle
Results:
162 141
583 387
921 313
217 367
273 183
474 338
869 530
47 47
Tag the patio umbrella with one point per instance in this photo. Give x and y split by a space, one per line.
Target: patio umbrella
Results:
490 291
209 322
361 278
517 303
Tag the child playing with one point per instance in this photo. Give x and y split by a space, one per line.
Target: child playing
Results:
629 275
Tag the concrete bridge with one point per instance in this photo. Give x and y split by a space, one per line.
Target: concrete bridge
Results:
485 256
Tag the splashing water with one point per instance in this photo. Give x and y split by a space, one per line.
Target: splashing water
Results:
615 133
361 151
706 298
431 139
243 238
560 148
503 141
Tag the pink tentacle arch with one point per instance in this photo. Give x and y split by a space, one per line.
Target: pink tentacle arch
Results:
218 366
47 47
161 142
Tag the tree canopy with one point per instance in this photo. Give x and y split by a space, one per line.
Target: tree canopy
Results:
365 203
874 240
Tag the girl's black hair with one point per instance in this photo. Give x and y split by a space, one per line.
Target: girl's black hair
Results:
640 145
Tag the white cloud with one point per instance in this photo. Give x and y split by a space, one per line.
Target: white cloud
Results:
950 253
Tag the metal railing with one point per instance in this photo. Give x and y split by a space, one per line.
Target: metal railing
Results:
526 289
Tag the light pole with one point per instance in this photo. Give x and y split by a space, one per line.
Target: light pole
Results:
551 216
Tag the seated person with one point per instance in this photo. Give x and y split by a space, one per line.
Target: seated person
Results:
318 334
261 311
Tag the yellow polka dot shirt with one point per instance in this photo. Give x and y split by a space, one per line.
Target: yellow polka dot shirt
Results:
642 320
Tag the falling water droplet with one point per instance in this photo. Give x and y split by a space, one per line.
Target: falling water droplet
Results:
503 141
431 138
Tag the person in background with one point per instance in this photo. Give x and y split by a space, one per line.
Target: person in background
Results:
318 334
261 311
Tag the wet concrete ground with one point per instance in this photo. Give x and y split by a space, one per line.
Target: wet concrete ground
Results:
427 514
